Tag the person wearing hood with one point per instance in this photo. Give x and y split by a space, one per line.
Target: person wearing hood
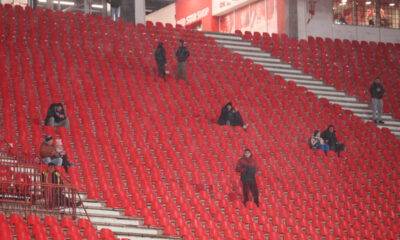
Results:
317 142
181 56
377 92
161 60
56 116
231 116
329 136
248 167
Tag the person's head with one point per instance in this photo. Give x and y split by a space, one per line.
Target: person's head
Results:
180 42
377 80
229 106
331 128
317 133
48 139
160 44
59 107
247 153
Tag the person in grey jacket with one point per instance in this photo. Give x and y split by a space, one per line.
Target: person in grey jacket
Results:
181 55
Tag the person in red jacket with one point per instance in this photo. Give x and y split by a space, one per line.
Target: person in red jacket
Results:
248 167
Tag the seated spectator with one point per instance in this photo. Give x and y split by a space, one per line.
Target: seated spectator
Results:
318 143
231 116
48 152
55 193
56 116
329 137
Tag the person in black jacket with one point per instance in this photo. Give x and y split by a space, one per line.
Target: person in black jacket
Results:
115 4
56 116
161 60
377 92
181 55
248 167
231 116
330 138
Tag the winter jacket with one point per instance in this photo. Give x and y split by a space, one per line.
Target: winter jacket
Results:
329 137
160 55
247 168
115 3
47 150
235 119
182 54
374 90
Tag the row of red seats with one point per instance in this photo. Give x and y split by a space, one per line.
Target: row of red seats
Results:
186 170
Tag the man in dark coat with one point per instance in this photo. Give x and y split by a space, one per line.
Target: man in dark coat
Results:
115 4
377 92
181 55
329 136
247 167
231 116
161 60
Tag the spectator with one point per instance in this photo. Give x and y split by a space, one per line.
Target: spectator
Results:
182 54
231 116
48 152
55 194
56 116
318 143
342 20
115 4
377 92
329 136
248 167
161 60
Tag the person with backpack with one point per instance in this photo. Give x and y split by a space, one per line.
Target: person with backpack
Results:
247 167
161 60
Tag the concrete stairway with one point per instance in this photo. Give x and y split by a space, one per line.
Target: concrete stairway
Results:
236 44
114 219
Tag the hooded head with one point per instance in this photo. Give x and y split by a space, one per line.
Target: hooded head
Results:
181 42
247 153
229 106
48 139
331 128
160 44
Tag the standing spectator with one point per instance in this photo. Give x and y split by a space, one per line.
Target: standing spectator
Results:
182 54
247 167
317 142
161 60
115 4
56 116
377 92
329 136
231 116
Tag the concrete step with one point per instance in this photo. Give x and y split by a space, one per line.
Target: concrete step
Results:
340 98
280 71
241 47
369 116
222 36
317 87
98 220
304 82
144 237
295 76
274 64
351 104
325 93
248 54
233 42
131 229
264 59
103 211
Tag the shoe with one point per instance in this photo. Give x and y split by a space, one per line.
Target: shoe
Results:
375 121
245 126
381 121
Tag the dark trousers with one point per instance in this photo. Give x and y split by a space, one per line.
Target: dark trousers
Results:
252 186
181 71
161 70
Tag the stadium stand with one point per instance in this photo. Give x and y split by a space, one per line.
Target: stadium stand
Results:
340 71
152 149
